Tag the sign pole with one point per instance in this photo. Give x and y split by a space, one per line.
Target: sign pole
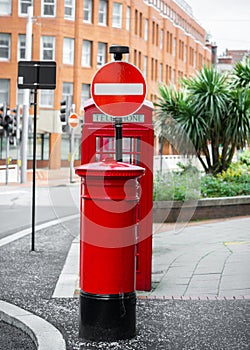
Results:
34 174
118 139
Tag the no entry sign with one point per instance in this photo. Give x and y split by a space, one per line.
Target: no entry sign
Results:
118 89
73 120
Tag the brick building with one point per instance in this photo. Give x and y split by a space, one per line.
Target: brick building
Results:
165 41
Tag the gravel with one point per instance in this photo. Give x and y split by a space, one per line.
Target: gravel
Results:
18 339
28 280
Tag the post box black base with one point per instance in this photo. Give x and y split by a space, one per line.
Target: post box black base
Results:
107 317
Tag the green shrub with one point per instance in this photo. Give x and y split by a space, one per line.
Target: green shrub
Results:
245 157
179 185
186 184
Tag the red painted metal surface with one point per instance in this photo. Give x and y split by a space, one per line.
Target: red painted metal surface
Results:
138 140
108 227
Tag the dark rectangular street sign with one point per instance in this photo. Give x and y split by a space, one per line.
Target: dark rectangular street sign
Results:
36 75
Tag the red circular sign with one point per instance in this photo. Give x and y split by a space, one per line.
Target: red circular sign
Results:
118 89
73 120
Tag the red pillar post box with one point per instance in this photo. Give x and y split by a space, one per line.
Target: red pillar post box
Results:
109 199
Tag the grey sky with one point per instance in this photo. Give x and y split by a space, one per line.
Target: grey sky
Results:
228 22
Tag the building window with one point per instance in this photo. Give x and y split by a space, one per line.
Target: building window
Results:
69 9
128 14
68 51
48 8
47 98
146 30
160 72
23 6
101 54
161 39
145 66
102 13
85 93
117 15
86 53
68 92
48 48
4 47
21 47
5 7
20 93
4 91
87 11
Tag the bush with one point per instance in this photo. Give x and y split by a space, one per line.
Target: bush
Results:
245 157
179 185
186 184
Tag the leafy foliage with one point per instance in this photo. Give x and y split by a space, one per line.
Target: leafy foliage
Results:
207 110
185 184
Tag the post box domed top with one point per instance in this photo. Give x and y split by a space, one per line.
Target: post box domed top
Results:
110 168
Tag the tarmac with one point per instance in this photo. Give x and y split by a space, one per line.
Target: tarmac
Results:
200 296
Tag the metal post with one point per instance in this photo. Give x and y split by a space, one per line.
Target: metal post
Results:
25 121
18 140
71 150
118 139
7 157
34 173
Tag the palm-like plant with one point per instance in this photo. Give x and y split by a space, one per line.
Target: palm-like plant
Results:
241 74
207 112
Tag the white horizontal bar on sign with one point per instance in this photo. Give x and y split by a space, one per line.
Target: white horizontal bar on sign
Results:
118 89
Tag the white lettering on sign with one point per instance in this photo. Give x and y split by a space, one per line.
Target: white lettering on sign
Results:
103 118
118 89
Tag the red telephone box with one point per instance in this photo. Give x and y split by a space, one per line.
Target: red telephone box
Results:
98 143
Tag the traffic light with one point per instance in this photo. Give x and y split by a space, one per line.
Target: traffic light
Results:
64 114
1 120
8 122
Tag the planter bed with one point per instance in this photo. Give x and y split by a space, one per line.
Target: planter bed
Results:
210 208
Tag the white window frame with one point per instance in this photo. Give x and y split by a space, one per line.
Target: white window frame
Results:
87 10
46 98
21 47
102 12
161 38
6 37
101 54
85 94
174 46
145 66
68 89
6 7
146 29
5 90
117 15
68 50
26 4
51 4
86 53
52 48
69 5
128 17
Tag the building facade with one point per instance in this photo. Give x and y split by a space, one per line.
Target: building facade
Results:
165 42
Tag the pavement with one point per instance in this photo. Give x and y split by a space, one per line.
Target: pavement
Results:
200 297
